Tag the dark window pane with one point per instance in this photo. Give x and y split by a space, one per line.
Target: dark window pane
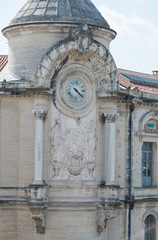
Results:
150 228
149 173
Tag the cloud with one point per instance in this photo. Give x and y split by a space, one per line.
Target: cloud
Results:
133 26
117 21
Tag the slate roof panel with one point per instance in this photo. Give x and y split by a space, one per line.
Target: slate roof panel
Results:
74 11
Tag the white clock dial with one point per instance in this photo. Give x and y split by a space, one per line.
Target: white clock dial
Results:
76 90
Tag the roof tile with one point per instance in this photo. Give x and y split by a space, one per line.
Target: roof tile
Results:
3 61
143 86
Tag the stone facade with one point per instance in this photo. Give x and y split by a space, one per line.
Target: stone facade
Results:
72 170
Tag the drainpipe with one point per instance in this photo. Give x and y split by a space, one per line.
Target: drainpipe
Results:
130 154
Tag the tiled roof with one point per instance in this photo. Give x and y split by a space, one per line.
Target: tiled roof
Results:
54 11
144 82
3 61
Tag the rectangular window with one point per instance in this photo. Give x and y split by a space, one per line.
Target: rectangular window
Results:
147 164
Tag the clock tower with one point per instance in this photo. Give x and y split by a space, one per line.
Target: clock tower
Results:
59 51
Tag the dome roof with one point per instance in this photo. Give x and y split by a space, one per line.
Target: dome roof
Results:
59 11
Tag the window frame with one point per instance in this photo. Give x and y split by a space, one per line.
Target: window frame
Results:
147 162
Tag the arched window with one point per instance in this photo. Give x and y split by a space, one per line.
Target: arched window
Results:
150 227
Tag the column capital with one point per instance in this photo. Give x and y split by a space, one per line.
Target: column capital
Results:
39 113
110 117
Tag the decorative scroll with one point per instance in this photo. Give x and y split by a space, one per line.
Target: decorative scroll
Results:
151 126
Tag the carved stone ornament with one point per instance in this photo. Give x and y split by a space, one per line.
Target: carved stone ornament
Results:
39 216
110 117
112 209
84 38
39 113
38 205
106 212
102 220
73 151
75 167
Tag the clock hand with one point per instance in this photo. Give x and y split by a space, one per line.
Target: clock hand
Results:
78 92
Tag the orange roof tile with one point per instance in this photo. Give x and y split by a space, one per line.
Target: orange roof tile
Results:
146 86
3 61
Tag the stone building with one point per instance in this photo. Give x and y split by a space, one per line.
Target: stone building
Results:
78 137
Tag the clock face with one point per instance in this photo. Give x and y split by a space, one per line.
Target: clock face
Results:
76 90
74 93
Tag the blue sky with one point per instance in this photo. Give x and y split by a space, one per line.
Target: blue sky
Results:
135 21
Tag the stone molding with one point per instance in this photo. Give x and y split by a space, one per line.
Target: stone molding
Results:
111 117
40 113
38 193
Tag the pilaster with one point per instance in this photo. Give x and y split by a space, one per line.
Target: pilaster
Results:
110 146
39 115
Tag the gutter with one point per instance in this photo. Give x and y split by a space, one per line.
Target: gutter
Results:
130 201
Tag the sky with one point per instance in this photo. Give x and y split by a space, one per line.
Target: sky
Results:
135 21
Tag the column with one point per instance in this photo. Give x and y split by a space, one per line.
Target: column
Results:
110 146
40 115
